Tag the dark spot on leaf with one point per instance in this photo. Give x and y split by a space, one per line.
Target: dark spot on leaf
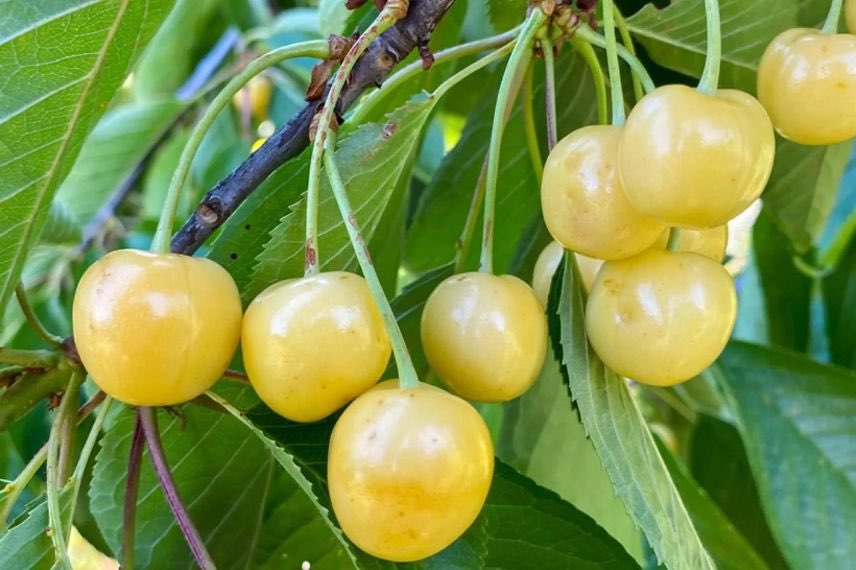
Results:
388 130
233 256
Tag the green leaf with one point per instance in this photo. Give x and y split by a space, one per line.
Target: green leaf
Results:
61 225
170 58
522 526
798 422
543 438
505 14
292 531
61 63
622 440
802 189
309 481
332 17
839 295
730 484
432 237
118 144
28 545
675 36
223 477
787 292
372 160
729 549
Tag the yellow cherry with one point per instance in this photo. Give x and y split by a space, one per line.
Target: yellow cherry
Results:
660 317
408 470
155 329
485 335
583 201
312 345
710 242
693 160
807 82
547 263
257 91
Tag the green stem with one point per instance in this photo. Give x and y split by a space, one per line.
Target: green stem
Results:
481 63
463 244
550 93
316 49
612 63
830 26
529 127
33 319
14 489
367 107
384 20
627 40
55 480
674 243
88 446
519 58
636 66
408 378
586 51
70 400
29 358
710 76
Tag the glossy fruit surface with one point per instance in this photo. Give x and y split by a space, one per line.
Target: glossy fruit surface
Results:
661 318
709 243
408 470
156 329
485 335
312 345
547 263
694 160
583 201
807 82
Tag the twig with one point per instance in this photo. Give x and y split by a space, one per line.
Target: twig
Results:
170 491
371 70
131 488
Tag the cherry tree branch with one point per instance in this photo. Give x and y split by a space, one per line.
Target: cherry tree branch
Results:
381 57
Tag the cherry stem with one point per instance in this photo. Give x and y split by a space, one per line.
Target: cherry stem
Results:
586 33
612 63
627 40
517 62
132 486
408 378
463 244
550 93
15 488
170 491
710 76
317 49
33 319
830 26
674 242
530 129
70 399
386 19
586 51
56 479
371 101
